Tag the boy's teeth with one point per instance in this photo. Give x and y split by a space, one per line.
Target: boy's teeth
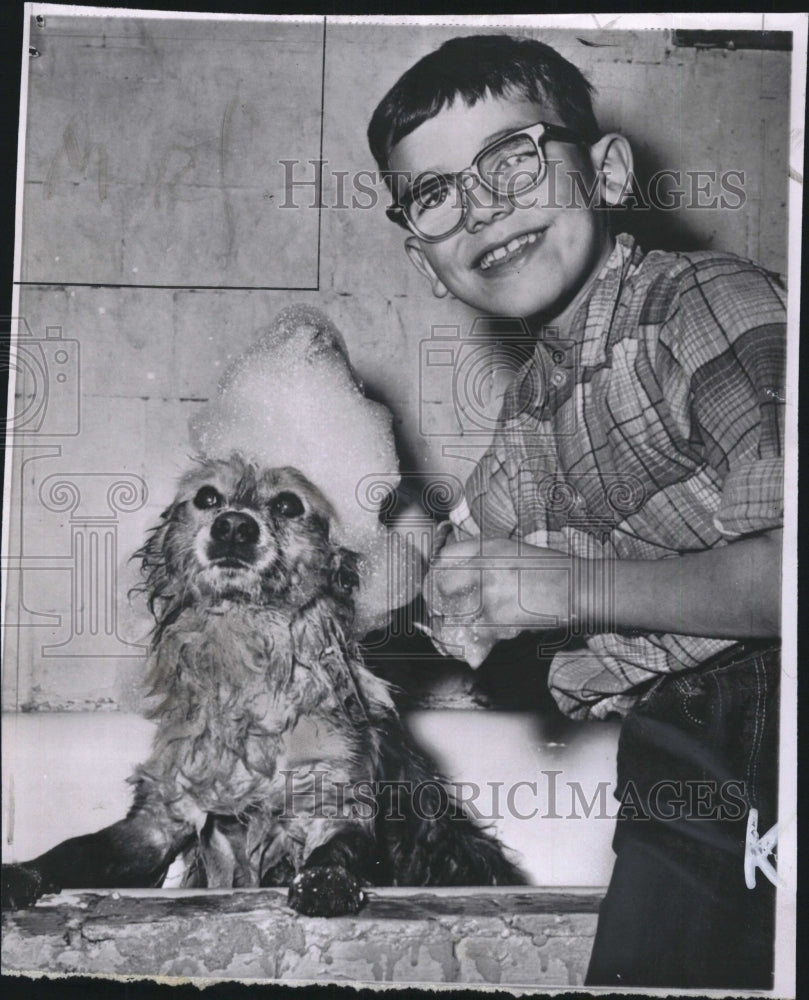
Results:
502 251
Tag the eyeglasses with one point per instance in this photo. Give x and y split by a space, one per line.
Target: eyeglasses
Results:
436 205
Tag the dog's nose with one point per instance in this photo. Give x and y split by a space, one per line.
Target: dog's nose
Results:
235 527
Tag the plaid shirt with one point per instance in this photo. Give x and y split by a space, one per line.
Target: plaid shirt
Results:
657 431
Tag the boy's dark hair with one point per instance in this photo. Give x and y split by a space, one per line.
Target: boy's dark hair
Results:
474 67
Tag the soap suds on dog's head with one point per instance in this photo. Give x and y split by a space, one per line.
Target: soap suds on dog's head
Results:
293 399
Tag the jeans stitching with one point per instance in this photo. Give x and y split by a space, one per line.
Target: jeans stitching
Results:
687 691
719 698
760 719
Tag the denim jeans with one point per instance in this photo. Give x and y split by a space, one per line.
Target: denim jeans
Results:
695 754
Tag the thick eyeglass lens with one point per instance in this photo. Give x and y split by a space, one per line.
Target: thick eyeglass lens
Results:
512 165
435 205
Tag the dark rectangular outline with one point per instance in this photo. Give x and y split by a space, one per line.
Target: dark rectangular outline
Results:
699 38
169 288
231 288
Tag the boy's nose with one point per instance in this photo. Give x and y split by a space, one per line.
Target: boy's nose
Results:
483 206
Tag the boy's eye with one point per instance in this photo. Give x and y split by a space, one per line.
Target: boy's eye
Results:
433 197
431 193
207 497
516 158
287 505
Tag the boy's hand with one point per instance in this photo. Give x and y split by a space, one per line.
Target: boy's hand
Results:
480 591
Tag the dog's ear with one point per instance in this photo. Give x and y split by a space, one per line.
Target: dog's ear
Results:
151 552
345 577
152 556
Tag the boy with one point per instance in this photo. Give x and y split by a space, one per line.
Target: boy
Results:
632 493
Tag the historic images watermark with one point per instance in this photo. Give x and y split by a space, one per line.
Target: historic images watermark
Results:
547 796
317 183
45 372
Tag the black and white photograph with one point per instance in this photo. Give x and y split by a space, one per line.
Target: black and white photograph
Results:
399 554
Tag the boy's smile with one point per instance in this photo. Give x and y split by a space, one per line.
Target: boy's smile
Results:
502 255
533 256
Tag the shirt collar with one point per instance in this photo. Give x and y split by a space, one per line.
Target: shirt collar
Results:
595 315
530 390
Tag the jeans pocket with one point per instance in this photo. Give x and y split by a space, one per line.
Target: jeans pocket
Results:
693 700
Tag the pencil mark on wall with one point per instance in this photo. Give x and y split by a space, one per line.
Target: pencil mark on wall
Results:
174 165
225 150
78 155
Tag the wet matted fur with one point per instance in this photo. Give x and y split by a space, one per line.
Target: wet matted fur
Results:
279 758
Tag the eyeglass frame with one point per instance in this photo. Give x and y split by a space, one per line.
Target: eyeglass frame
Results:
398 213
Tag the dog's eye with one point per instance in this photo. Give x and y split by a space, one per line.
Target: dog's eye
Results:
287 505
207 497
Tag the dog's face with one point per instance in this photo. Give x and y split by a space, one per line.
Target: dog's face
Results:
239 532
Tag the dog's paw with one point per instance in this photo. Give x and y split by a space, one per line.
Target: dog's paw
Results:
22 886
325 891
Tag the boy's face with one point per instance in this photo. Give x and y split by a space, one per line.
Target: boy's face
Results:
567 243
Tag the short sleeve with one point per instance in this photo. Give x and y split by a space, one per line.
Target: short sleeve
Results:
723 359
752 498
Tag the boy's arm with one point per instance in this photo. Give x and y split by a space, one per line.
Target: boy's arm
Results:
481 594
729 593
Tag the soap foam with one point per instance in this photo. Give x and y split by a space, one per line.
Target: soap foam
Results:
293 399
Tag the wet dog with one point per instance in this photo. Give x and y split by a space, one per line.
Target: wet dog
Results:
279 758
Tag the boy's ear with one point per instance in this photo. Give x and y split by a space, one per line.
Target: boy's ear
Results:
419 260
612 161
